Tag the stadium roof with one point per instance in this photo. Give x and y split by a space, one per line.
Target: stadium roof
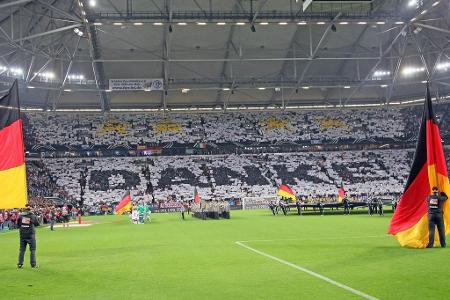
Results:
227 53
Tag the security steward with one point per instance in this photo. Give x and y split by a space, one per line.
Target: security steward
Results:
435 217
26 223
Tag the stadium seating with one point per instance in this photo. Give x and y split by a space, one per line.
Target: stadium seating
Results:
72 129
172 177
229 175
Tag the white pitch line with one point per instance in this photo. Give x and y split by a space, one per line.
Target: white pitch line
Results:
319 239
314 274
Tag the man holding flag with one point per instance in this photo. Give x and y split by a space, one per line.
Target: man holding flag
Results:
435 217
414 220
287 194
13 185
343 199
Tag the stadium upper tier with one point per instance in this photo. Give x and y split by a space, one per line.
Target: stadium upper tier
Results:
211 129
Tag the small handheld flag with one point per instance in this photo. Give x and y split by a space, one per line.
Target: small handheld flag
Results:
13 183
197 198
124 205
409 224
286 192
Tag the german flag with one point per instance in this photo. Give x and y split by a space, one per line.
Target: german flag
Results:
286 192
197 198
124 205
410 221
341 193
13 183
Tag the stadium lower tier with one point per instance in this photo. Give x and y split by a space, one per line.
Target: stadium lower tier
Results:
313 175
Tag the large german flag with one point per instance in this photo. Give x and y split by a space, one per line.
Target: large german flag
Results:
124 205
286 192
13 185
410 221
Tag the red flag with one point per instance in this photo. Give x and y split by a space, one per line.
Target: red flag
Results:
409 224
197 198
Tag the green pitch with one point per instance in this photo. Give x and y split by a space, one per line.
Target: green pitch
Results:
194 259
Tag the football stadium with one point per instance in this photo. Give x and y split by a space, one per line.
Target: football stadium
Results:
224 149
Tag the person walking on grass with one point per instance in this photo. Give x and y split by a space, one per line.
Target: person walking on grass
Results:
65 216
52 216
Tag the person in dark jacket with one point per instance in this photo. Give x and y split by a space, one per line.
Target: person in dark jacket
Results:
435 217
26 223
298 204
380 207
346 205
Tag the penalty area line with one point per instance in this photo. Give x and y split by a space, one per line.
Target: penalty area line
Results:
309 272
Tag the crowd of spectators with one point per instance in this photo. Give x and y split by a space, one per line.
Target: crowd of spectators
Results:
172 178
45 210
169 179
41 183
88 129
44 195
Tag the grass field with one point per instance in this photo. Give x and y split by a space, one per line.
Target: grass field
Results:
193 259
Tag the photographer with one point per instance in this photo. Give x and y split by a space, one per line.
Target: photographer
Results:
26 222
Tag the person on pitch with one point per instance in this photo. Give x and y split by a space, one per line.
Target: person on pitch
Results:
27 222
370 207
141 213
272 207
134 215
226 209
394 205
321 209
65 214
182 210
435 216
147 212
298 204
52 218
380 207
346 205
282 205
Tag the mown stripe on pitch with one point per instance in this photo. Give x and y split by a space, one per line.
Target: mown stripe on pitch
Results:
309 272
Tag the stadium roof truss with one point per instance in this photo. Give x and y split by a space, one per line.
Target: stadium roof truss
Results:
223 54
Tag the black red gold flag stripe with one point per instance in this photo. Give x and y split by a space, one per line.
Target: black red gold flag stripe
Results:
124 205
13 186
286 192
409 224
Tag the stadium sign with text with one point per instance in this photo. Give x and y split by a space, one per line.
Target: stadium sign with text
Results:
136 84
